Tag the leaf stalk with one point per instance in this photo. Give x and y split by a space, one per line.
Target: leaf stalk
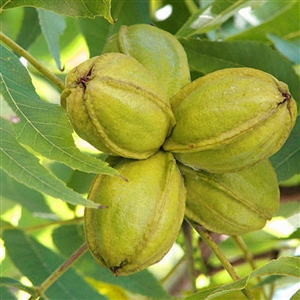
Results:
42 69
222 258
191 6
248 256
61 270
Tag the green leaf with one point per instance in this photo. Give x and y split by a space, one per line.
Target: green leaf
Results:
10 282
70 237
285 25
27 197
30 28
271 243
288 209
42 126
286 161
77 180
52 25
6 293
268 10
287 266
6 112
215 292
179 15
97 31
6 18
296 296
211 17
295 234
207 56
289 49
37 263
82 8
80 181
73 234
24 167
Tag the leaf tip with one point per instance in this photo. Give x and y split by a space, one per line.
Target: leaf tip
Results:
102 206
122 177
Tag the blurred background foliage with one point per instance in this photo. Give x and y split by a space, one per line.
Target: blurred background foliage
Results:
41 231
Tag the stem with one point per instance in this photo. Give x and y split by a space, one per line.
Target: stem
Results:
187 234
222 258
248 256
54 223
241 244
62 269
176 278
40 226
22 52
192 7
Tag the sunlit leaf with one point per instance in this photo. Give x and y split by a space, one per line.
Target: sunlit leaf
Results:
296 296
42 126
110 290
295 234
82 8
287 266
52 26
237 295
215 292
24 167
6 112
270 243
37 263
284 24
284 265
211 17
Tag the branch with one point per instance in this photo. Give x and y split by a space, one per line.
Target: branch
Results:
291 193
187 235
272 254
